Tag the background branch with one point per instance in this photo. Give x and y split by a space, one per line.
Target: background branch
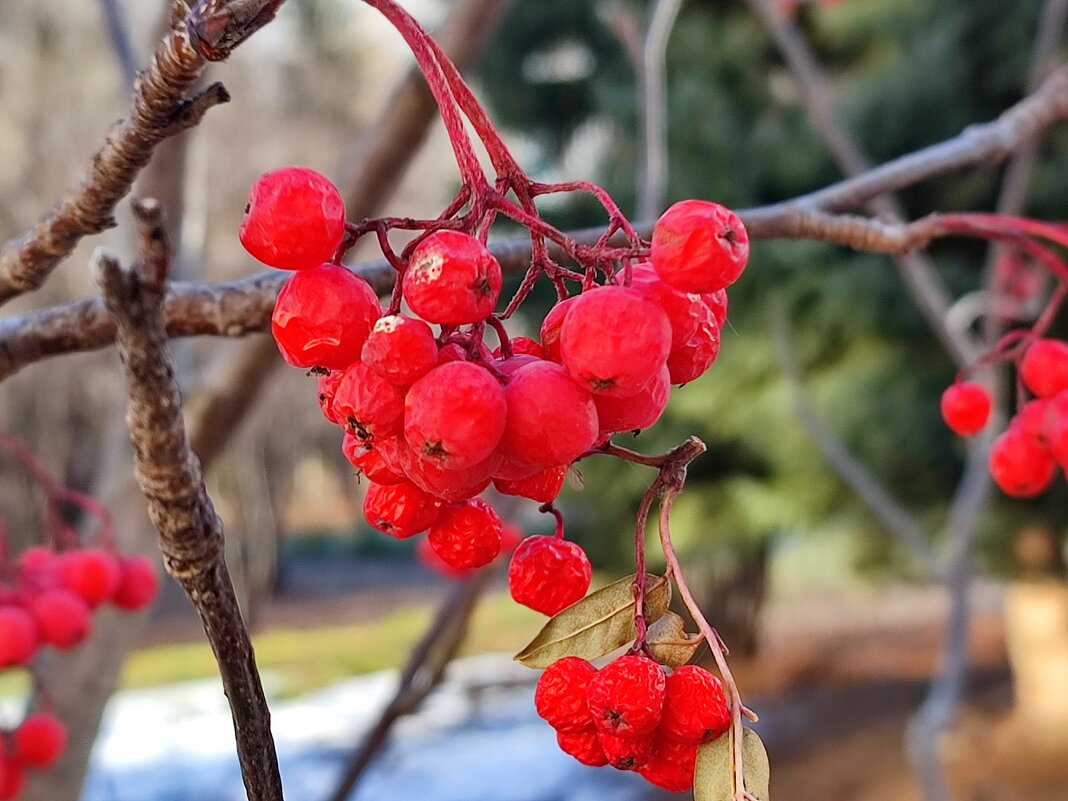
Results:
652 108
119 35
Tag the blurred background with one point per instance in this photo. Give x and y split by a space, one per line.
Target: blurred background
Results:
838 632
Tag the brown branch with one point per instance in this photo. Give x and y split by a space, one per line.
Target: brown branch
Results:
170 476
161 108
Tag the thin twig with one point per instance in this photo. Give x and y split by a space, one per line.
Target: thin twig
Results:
170 476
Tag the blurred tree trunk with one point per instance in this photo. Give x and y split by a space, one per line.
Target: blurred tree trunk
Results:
732 588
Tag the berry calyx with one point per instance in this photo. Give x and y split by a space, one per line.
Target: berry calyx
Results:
626 753
40 740
452 279
466 535
626 697
695 707
699 246
966 408
548 574
401 510
560 697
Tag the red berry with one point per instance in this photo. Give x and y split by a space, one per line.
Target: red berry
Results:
401 510
671 764
626 697
368 405
683 309
510 537
627 753
585 746
551 419
63 619
542 487
966 408
90 573
508 367
636 411
40 740
1044 368
138 585
560 697
699 353
451 485
18 636
326 387
614 340
695 708
699 246
295 219
1019 465
367 458
717 302
466 534
452 279
550 329
400 349
322 317
1031 419
548 574
454 415
12 778
522 346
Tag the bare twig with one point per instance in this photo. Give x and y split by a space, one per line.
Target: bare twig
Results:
161 108
653 107
190 531
119 34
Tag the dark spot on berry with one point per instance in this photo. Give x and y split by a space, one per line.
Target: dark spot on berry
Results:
601 384
730 235
435 449
481 287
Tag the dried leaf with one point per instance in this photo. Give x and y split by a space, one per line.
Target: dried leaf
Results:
669 642
599 623
714 776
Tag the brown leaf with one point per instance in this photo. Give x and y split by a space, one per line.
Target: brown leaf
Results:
669 642
596 625
714 776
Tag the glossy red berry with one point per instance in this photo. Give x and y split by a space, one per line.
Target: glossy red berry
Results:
550 329
295 219
626 697
138 583
367 458
542 487
585 746
548 574
699 246
91 573
671 764
401 349
466 534
18 636
326 387
690 362
695 707
63 619
1031 419
401 510
1044 368
450 484
452 279
454 415
1019 465
627 753
40 740
683 309
560 697
717 303
614 340
322 317
523 346
635 411
368 405
966 408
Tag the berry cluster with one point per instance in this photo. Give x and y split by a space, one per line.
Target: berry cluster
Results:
433 418
35 743
633 715
1024 458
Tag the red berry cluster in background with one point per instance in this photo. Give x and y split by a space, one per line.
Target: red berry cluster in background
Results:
433 416
1024 458
634 715
36 743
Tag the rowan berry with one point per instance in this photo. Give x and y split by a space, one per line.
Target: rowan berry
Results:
295 219
614 340
326 387
585 746
683 309
1031 419
452 279
635 411
368 405
18 636
63 619
695 707
90 573
466 534
542 487
671 764
322 317
1044 368
522 346
400 510
717 302
626 753
367 458
138 583
551 420
12 778
1019 465
699 246
699 353
40 740
560 697
454 416
400 349
966 408
550 329
449 484
626 697
510 537
548 574
507 367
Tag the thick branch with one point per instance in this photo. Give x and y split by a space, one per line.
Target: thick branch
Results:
190 531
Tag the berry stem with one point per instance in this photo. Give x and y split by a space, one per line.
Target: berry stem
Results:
551 509
502 336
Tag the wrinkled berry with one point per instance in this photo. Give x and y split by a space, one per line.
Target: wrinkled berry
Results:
671 764
695 707
466 534
585 746
626 697
400 510
542 487
548 574
560 697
